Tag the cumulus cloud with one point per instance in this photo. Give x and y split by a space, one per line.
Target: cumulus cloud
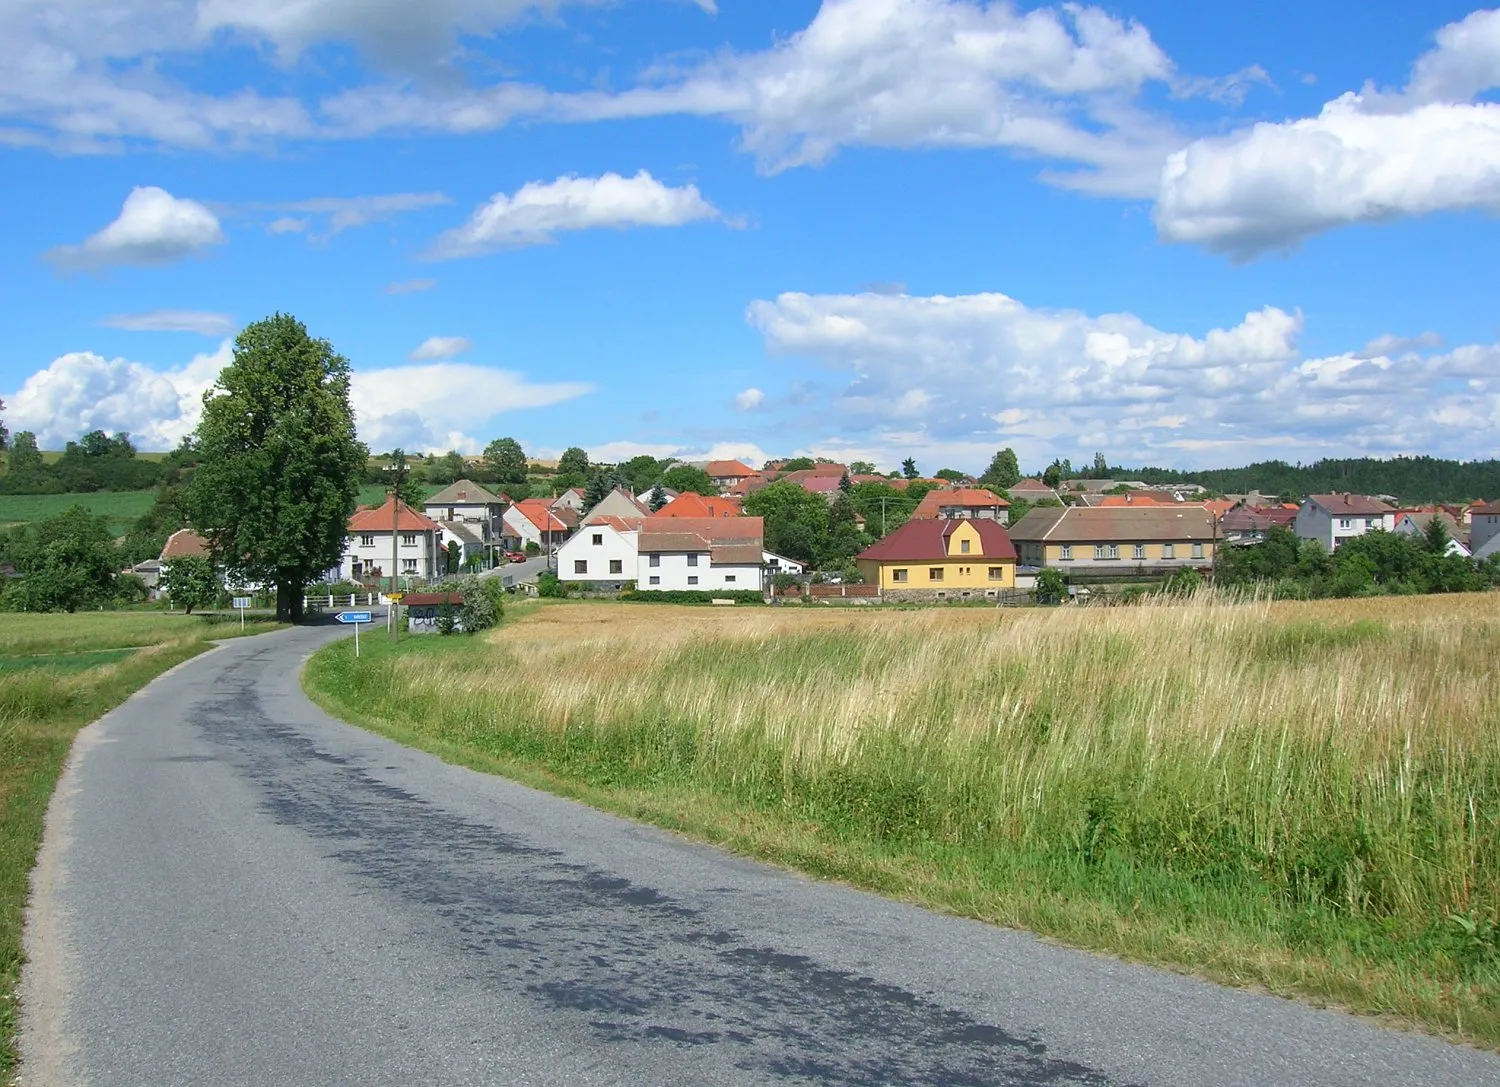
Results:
749 399
410 286
1368 156
174 320
287 224
441 347
950 372
81 391
429 408
539 210
153 227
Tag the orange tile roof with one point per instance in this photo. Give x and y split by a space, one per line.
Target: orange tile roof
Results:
540 514
969 497
378 519
620 524
725 469
182 544
689 504
1137 498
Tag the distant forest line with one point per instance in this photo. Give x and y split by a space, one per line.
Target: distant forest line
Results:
1411 479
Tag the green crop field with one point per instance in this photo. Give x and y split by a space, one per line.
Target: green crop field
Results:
120 507
1299 796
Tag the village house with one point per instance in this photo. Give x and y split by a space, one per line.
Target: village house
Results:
467 503
1249 524
707 553
367 548
940 559
534 522
1417 523
1105 542
602 553
1333 518
572 499
697 505
618 503
950 503
1484 528
727 473
1031 490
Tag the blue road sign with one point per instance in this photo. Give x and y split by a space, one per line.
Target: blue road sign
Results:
353 617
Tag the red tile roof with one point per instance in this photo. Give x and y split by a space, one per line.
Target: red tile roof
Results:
540 514
378 519
619 524
927 541
1136 498
182 544
728 469
967 497
689 504
699 533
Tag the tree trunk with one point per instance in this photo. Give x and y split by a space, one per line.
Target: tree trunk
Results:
289 602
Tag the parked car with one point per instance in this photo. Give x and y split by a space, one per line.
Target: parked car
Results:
515 556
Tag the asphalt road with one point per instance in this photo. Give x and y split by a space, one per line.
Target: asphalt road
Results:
513 573
236 889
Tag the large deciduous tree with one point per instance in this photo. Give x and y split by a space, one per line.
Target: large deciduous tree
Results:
191 582
572 468
506 461
1004 471
280 461
684 477
66 562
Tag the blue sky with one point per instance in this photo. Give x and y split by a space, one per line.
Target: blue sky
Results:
1178 234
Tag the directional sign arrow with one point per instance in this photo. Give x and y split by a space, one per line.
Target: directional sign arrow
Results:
353 617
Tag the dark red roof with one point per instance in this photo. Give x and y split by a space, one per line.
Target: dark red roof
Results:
422 600
927 541
379 520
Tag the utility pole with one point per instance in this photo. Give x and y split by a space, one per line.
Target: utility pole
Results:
398 465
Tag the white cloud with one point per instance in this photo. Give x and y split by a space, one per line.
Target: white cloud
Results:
427 408
539 210
944 373
345 212
618 452
1367 157
153 227
441 347
749 399
81 391
410 286
174 320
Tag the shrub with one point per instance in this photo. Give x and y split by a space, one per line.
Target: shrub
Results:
484 604
695 596
1051 588
532 548
548 585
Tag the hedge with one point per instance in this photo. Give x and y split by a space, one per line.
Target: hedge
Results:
694 596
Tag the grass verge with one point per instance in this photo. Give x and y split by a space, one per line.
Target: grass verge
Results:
1300 797
58 673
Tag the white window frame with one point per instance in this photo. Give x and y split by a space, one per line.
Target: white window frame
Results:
1066 555
408 539
367 540
1140 552
1169 551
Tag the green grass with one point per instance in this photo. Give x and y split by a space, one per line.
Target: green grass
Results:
58 673
1300 797
120 507
375 494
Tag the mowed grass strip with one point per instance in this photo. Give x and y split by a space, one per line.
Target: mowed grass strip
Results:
1302 796
122 508
58 673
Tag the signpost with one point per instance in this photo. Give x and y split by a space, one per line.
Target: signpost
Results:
355 618
242 602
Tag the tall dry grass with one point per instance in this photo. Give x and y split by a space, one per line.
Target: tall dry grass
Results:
1322 772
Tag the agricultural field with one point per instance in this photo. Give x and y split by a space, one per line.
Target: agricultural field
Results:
1299 796
120 507
58 673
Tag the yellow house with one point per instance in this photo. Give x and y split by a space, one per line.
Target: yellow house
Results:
958 557
1105 541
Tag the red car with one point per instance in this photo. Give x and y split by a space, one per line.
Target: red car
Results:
516 556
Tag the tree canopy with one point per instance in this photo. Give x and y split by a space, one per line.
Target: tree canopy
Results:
1004 471
506 461
280 460
684 477
909 468
191 582
4 434
66 562
572 468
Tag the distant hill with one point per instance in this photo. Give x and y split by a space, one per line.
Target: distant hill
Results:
1411 479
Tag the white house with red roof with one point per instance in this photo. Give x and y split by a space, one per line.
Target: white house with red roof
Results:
534 521
367 549
726 473
602 553
1333 518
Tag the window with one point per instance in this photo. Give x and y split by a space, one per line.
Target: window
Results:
1372 523
692 560
1197 551
616 566
598 540
1106 551
1067 553
728 577
1140 552
898 575
408 539
1345 522
655 560
963 547
408 566
997 573
655 580
580 566
1168 551
935 574
367 541
692 579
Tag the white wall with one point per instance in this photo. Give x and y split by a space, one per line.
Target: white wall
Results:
1483 527
674 573
613 546
518 524
1315 523
424 551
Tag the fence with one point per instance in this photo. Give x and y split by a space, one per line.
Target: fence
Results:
343 600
